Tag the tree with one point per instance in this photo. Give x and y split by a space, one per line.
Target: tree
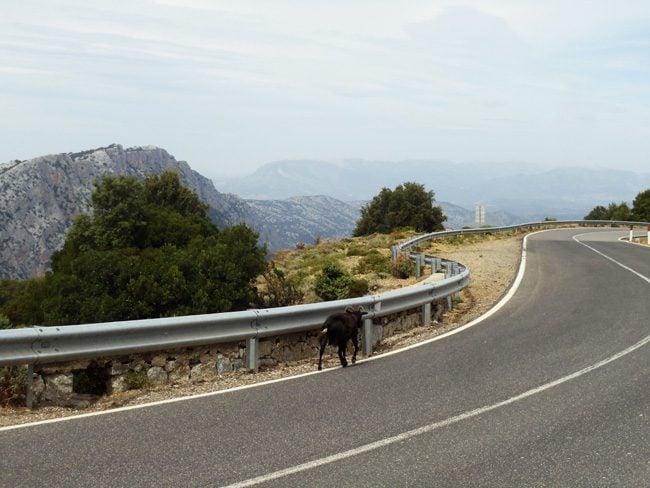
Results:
409 205
641 206
598 213
614 211
149 250
334 283
277 289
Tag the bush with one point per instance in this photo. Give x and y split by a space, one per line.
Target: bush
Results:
333 283
136 380
12 385
277 290
356 250
402 268
358 288
373 262
5 323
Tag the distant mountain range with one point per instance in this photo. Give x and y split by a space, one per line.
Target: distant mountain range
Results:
510 192
288 202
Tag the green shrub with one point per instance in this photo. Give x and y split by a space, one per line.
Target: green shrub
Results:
356 250
136 380
333 283
358 288
5 323
278 290
402 268
373 262
12 385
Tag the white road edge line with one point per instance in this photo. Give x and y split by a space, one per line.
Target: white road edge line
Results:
489 313
436 425
499 305
466 415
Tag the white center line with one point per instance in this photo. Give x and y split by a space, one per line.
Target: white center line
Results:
430 427
643 277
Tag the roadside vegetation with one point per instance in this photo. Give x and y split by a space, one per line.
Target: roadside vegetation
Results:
639 212
148 250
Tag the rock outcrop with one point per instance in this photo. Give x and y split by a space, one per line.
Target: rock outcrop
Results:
40 197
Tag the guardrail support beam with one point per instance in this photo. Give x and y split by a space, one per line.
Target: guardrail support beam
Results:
367 337
394 252
29 385
426 314
252 352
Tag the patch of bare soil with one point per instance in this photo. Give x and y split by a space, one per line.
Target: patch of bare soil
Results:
493 263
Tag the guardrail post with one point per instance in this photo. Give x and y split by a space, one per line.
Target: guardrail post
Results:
29 386
252 352
426 314
367 337
394 252
418 266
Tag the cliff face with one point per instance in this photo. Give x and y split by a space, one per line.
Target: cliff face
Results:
301 219
40 197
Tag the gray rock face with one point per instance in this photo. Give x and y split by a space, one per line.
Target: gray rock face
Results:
40 197
302 219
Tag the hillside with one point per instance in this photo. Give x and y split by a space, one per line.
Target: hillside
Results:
40 197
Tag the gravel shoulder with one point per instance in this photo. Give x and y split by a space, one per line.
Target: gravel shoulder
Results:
493 261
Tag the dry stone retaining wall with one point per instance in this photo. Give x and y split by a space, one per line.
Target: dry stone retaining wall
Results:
79 383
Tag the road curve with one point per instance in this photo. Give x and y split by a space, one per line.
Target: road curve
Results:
551 390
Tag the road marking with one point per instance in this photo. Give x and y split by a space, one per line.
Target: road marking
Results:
431 427
643 277
500 304
466 415
493 310
490 312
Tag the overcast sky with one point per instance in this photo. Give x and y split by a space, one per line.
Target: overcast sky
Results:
228 86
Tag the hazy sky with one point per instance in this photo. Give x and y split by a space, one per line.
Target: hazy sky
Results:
228 86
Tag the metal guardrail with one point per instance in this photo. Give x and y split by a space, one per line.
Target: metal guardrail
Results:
43 345
509 228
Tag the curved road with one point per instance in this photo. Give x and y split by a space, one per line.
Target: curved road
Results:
551 390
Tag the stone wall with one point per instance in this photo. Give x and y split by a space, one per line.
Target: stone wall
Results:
79 383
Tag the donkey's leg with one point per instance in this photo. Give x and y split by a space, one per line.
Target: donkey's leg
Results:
355 343
323 343
344 362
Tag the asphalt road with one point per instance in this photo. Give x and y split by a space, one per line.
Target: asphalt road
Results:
552 390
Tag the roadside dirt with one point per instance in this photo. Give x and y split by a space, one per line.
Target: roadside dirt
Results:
493 263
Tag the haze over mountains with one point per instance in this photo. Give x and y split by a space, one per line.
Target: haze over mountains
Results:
515 192
288 202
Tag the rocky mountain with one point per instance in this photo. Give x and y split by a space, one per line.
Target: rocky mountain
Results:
303 219
40 197
523 191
